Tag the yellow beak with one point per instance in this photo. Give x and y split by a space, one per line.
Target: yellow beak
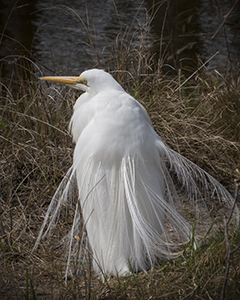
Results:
69 80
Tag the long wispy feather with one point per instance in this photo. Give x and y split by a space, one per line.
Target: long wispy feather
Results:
134 216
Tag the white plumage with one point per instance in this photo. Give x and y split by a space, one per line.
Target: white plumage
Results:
136 195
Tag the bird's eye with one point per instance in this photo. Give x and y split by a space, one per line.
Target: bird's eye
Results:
82 81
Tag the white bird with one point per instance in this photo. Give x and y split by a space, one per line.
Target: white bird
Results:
137 196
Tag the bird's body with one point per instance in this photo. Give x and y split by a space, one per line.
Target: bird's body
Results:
126 188
114 141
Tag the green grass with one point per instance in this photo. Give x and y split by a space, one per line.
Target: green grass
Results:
199 119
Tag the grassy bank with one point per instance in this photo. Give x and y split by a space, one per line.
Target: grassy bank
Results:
198 116
199 119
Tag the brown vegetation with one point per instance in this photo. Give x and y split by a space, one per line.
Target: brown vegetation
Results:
198 117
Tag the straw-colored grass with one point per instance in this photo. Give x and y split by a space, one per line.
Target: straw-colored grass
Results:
198 117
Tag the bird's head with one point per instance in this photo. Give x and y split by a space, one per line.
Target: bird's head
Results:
95 80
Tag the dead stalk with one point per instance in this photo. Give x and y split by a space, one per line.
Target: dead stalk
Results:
228 246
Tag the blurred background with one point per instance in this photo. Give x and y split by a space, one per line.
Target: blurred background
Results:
66 39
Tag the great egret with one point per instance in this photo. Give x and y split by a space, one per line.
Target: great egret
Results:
136 194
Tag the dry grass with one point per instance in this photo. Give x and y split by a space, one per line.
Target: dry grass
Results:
200 119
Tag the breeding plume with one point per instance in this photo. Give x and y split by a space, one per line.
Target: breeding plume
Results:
139 200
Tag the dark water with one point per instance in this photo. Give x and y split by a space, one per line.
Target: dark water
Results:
189 28
68 39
